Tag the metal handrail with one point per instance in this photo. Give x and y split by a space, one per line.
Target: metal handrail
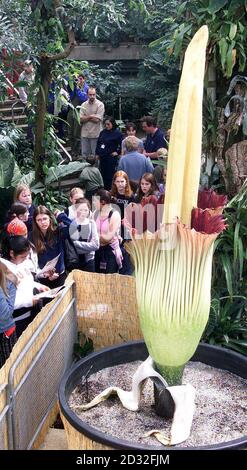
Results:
10 83
12 117
12 109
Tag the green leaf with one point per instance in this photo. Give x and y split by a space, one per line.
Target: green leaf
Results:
241 258
236 242
223 51
38 188
216 5
227 266
28 179
229 61
51 21
45 169
16 176
233 31
7 166
63 171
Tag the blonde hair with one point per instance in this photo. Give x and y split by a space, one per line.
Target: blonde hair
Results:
131 143
4 275
75 190
18 190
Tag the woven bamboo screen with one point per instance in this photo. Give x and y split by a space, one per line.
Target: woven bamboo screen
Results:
107 308
36 346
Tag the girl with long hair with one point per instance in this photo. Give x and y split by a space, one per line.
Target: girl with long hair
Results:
48 241
147 189
122 195
23 194
147 197
121 191
15 252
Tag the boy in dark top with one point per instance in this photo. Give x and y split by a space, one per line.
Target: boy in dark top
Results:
155 137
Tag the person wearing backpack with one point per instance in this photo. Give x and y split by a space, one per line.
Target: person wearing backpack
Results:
90 177
108 258
83 238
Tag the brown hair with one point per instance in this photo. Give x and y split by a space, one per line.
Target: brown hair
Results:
149 177
17 209
104 195
151 121
121 174
38 237
83 200
18 190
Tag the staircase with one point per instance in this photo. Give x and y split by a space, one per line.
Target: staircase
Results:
13 111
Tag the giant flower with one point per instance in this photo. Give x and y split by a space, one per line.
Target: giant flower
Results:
173 265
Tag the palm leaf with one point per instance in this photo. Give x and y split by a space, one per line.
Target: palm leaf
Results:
227 266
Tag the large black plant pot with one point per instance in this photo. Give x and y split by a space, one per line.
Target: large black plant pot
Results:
82 436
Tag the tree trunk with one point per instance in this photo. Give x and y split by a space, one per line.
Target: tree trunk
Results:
39 150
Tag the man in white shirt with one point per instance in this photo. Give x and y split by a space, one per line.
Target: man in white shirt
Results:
91 116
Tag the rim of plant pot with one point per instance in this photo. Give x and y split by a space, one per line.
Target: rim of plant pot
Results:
136 350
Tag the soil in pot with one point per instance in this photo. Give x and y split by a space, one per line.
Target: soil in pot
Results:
220 414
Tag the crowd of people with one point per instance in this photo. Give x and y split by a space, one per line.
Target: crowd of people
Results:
118 181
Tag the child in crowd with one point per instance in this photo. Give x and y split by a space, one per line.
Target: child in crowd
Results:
147 189
83 234
48 241
18 211
108 259
122 195
75 193
15 254
16 227
147 197
121 191
8 336
131 130
23 195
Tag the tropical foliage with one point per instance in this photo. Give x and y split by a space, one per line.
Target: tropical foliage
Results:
228 317
228 33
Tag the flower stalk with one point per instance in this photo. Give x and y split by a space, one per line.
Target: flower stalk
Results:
184 156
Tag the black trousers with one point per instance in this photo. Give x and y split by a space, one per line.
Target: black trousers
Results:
108 166
6 346
22 324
